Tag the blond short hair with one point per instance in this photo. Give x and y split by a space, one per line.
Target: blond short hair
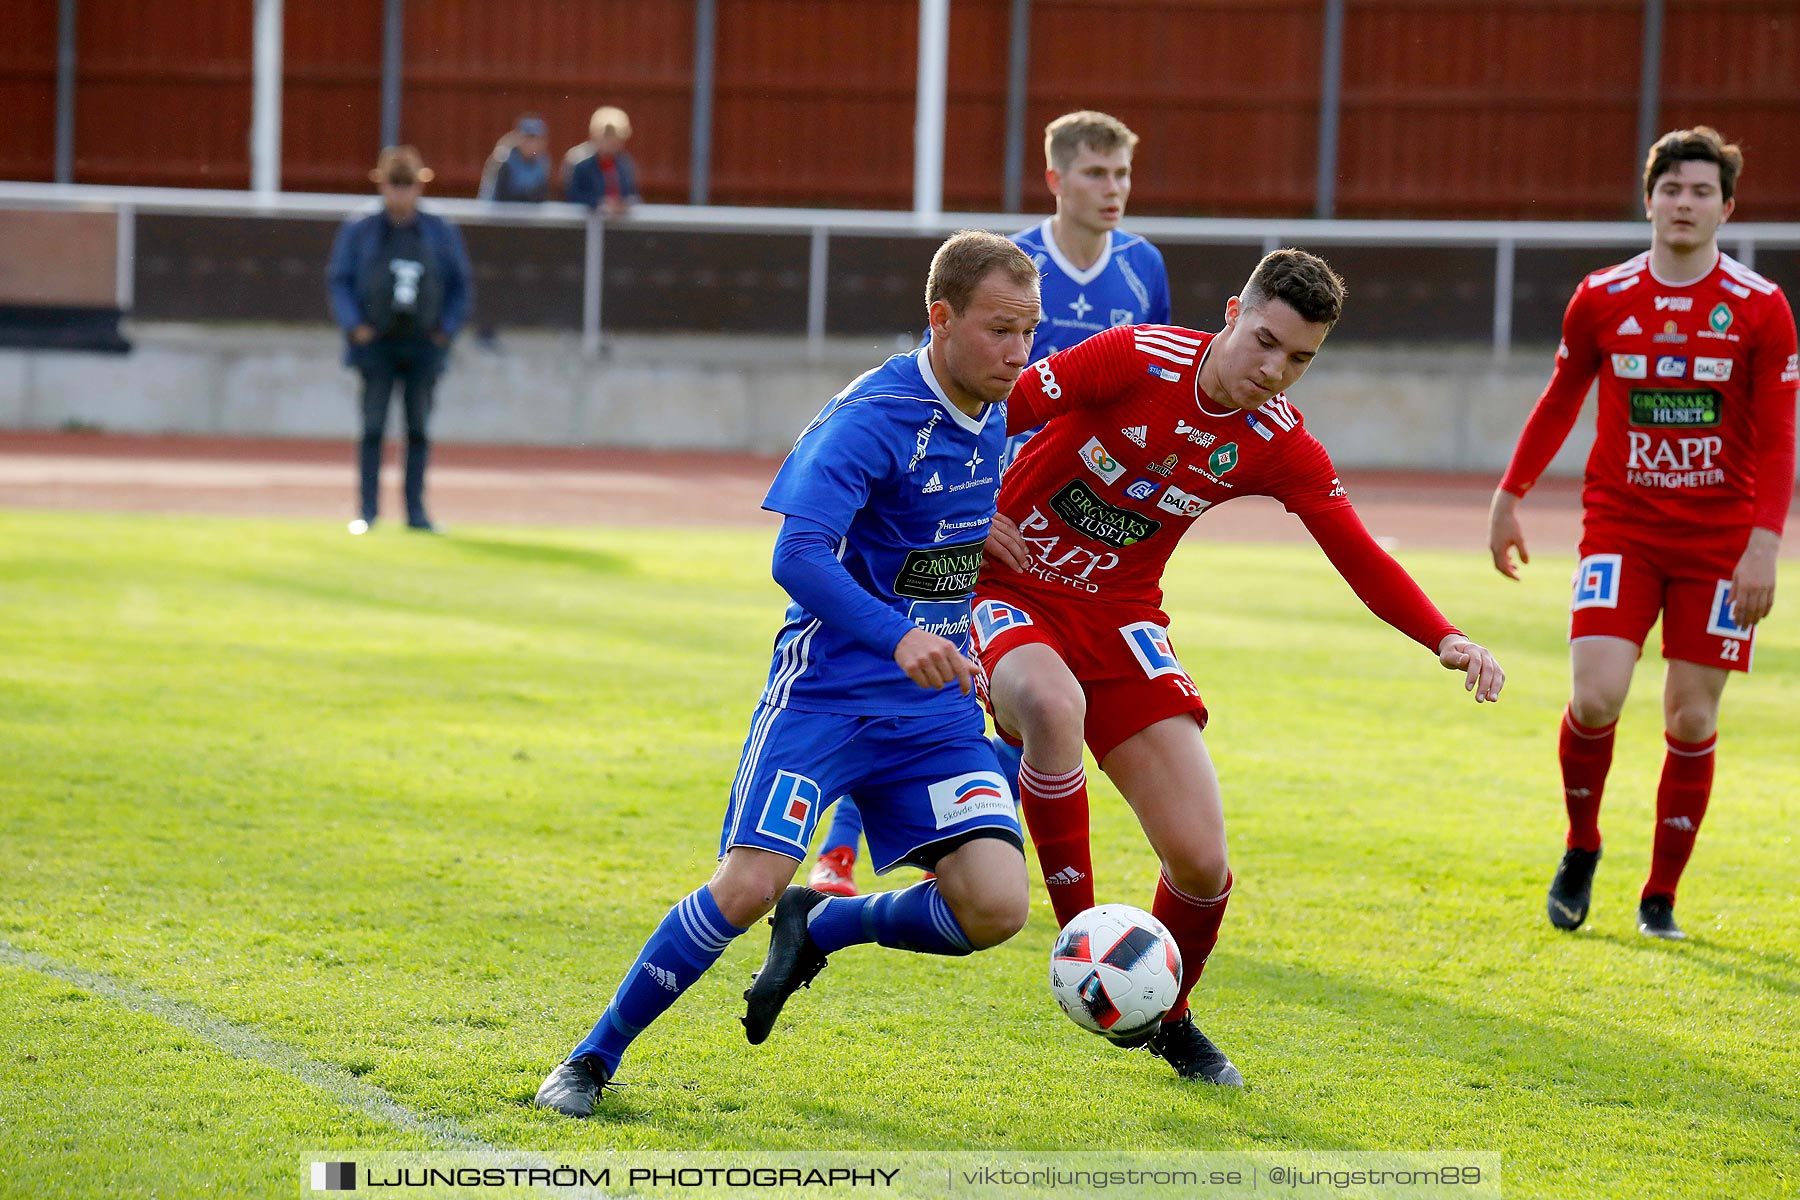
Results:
966 258
608 119
1098 131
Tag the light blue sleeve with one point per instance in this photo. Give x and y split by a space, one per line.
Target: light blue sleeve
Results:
1159 289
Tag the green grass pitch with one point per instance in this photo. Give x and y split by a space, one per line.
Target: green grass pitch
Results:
288 818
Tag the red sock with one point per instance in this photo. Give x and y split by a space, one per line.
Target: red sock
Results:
1195 924
1586 758
1056 813
1681 798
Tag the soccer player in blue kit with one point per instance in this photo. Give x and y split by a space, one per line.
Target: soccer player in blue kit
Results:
1094 276
886 497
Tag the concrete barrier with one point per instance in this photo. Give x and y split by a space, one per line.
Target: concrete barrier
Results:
1426 408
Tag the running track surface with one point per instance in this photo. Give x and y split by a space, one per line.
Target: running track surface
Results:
518 485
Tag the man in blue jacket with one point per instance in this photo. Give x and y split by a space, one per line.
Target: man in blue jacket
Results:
600 172
400 290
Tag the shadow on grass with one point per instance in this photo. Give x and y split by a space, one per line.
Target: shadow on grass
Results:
1591 1067
1746 966
538 554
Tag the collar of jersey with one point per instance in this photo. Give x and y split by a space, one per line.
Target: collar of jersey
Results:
1700 278
972 424
1200 397
1068 268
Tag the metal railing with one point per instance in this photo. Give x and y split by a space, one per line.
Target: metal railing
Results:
1504 237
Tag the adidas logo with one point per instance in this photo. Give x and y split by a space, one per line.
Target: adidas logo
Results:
1577 793
1137 433
1065 877
934 484
1681 823
1630 325
665 978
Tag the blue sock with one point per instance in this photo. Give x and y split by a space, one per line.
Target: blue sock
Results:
1010 757
689 940
915 919
846 826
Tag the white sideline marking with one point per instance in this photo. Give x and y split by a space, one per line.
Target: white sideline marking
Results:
248 1045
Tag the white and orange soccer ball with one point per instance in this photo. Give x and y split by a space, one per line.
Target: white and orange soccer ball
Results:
1115 971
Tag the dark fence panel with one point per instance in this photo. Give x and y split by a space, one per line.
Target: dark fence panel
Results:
1202 277
526 276
705 282
877 285
1414 293
1544 277
232 268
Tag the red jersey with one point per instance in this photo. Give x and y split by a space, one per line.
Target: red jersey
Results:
1696 411
1132 452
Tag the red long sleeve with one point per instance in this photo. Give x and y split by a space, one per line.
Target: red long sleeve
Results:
1378 581
1775 368
1577 362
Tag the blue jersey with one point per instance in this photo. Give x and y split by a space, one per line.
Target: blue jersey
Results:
908 482
1127 286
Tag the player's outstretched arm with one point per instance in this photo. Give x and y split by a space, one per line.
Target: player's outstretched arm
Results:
931 661
1753 582
1481 673
1005 545
1504 533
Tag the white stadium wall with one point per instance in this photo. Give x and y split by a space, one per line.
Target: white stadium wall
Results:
1430 409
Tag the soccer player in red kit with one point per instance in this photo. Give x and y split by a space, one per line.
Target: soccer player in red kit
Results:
1148 426
1687 490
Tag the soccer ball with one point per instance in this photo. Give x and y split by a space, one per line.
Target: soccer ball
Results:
1115 971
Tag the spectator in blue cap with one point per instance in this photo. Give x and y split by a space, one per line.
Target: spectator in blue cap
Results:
519 168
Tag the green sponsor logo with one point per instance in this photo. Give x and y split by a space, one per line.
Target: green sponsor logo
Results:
1669 408
1086 513
1719 318
1223 459
939 573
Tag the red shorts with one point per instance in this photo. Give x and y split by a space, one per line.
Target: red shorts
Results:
1623 582
1120 654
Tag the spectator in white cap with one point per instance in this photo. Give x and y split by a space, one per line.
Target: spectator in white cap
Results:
599 172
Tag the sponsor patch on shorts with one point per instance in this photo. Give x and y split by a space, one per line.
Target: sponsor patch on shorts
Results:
992 616
1149 643
791 810
1720 623
1597 581
965 797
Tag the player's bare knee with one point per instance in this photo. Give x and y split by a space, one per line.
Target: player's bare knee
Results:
1693 722
1051 720
742 906
1595 709
744 893
991 916
1200 872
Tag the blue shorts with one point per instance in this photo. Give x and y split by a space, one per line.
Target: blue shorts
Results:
918 781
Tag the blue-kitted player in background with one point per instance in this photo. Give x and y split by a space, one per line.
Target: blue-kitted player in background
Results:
1094 275
887 498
